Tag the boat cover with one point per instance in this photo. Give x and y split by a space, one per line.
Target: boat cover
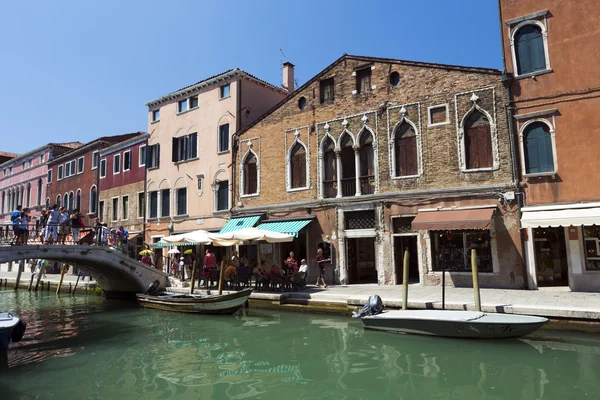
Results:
437 315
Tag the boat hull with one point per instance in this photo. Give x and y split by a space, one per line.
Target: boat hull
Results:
8 322
455 324
210 304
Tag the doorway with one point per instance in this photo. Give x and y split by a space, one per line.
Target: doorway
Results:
551 257
361 260
402 243
298 246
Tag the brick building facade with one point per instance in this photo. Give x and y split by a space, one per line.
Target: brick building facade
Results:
551 57
73 180
375 156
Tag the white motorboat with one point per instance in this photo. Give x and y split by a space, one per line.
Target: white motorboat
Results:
448 323
11 328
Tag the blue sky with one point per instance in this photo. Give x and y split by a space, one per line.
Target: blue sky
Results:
77 70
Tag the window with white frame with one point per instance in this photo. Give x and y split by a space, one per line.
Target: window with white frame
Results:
127 160
538 148
95 159
67 170
182 106
153 204
59 174
80 162
529 44
181 201
49 177
222 195
297 166
142 156
193 102
93 199
165 202
223 138
30 162
141 204
115 209
101 210
156 115
103 168
250 174
438 115
116 164
153 156
185 147
125 207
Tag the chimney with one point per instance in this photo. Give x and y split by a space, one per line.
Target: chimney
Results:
288 76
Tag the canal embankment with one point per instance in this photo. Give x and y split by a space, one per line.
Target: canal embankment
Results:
49 283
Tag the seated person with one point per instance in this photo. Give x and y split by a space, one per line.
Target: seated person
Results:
303 268
260 273
230 273
275 270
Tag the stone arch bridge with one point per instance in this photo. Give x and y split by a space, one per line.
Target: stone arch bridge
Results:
117 275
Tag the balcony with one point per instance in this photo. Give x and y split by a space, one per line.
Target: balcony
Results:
329 189
348 187
367 184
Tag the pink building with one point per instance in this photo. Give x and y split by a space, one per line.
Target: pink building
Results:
23 179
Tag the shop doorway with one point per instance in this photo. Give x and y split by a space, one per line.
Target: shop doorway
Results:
298 246
551 257
402 243
360 253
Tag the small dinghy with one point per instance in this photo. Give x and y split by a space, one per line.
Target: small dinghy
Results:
447 323
195 303
12 328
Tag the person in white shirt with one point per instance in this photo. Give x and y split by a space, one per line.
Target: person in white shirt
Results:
303 268
52 224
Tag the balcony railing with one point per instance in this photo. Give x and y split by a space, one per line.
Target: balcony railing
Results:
329 189
367 184
348 187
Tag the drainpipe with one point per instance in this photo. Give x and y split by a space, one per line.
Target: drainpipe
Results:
145 193
234 144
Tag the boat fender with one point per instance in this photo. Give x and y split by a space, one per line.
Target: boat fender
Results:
373 306
153 287
18 331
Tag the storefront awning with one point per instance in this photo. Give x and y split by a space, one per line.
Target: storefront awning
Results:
235 224
476 218
288 227
555 218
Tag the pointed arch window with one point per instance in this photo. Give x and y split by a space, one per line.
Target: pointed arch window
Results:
78 200
367 167
250 174
58 203
71 201
538 149
329 168
478 141
93 200
298 166
405 151
348 165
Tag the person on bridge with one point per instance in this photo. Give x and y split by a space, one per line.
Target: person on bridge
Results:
24 222
14 216
63 225
76 225
52 225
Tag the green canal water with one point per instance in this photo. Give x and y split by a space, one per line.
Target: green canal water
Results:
87 348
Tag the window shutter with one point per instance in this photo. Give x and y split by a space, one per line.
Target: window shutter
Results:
252 178
539 156
194 145
174 150
246 178
301 165
530 50
157 154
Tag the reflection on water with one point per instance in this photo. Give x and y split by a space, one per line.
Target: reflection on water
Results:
85 347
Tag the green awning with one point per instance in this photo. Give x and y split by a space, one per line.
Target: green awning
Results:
289 227
235 224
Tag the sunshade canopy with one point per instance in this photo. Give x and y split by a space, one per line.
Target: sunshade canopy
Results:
287 227
476 218
255 234
556 218
235 224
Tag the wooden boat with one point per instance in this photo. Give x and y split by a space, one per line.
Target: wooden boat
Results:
195 303
11 328
455 324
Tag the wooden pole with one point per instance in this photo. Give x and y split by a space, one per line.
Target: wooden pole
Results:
443 278
221 277
62 276
40 273
474 269
194 266
76 282
30 282
21 267
405 281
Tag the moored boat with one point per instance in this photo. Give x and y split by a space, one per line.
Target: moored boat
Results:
448 323
227 303
12 328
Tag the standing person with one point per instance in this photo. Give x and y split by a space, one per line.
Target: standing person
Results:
98 231
24 227
15 224
181 267
104 235
235 259
209 260
321 261
76 225
52 225
63 225
43 223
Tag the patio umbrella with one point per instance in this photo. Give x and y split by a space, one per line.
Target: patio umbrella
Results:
255 234
188 251
173 240
146 252
173 251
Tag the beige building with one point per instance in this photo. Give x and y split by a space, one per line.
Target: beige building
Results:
188 156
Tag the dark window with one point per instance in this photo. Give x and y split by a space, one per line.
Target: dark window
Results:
348 166
125 205
405 148
115 209
182 106
80 165
126 160
367 168
181 201
529 50
298 166
116 164
224 91
103 168
58 198
438 115
153 156
402 225
155 115
49 177
360 219
302 103
223 138
363 80
194 102
95 159
452 250
394 78
222 195
39 192
153 204
185 147
165 202
141 204
329 169
327 91
78 200
539 157
93 200
71 201
478 142
250 174
142 160
101 210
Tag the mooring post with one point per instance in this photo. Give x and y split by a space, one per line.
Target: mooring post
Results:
62 276
475 270
76 282
193 276
70 287
405 281
40 273
221 277
31 282
20 269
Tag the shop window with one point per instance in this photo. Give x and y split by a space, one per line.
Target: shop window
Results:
591 237
452 250
364 219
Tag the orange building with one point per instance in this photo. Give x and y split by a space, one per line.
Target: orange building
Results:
551 62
